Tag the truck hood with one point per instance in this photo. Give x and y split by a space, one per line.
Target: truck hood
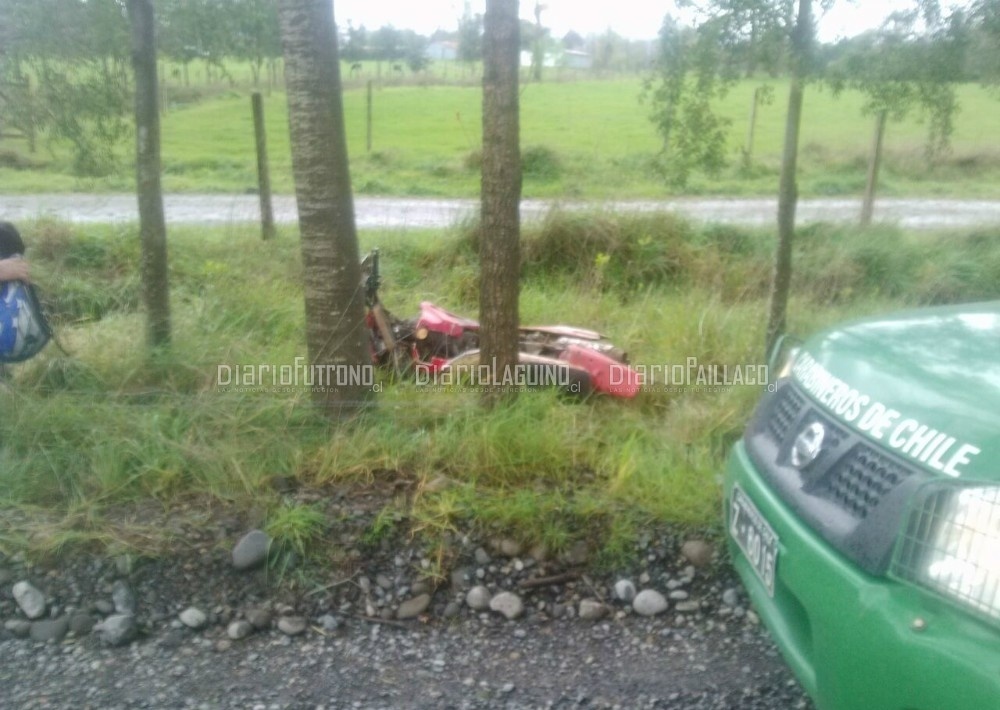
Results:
924 384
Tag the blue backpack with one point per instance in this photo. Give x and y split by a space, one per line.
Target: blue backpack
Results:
24 331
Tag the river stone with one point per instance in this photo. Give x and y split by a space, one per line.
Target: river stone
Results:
18 627
292 625
731 597
260 618
509 548
625 590
239 630
478 598
193 618
29 599
414 607
123 598
330 623
649 602
49 629
592 610
698 552
117 630
251 550
508 604
81 623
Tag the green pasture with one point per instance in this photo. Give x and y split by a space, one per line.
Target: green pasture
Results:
112 447
586 139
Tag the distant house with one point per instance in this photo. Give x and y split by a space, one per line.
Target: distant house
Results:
574 59
566 58
442 51
550 60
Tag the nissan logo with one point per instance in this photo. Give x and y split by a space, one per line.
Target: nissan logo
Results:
807 445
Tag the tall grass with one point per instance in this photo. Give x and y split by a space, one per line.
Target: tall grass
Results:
109 446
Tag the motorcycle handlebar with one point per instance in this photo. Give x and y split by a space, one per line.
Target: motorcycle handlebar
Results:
372 278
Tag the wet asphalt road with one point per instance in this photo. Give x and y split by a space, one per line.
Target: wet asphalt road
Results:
418 213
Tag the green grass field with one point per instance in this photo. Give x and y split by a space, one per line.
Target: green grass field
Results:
112 448
580 139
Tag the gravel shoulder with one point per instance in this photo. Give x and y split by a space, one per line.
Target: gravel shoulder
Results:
372 630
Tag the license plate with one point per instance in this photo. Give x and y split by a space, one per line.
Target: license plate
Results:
754 536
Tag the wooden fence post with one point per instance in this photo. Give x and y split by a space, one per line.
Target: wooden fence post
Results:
263 173
874 163
368 120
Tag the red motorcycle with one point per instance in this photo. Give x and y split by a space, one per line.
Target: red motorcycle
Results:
442 346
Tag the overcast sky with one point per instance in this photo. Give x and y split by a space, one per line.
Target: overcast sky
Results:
635 19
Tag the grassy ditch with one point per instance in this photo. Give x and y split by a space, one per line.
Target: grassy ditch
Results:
114 448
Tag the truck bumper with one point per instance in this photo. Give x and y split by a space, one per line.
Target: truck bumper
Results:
858 642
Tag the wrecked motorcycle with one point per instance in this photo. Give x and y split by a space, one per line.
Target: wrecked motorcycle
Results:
441 345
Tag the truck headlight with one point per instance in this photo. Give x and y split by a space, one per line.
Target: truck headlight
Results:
951 545
781 359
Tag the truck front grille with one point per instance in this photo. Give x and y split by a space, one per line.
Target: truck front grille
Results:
853 493
788 405
861 478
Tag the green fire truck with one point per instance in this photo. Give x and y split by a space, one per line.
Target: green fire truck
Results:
862 507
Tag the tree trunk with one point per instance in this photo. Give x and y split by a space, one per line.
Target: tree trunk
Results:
152 226
788 190
874 163
499 244
335 334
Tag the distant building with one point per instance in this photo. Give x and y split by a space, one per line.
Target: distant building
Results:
566 58
573 59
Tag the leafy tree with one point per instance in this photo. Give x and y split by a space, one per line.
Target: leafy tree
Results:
414 48
335 333
983 60
470 36
687 80
77 52
254 33
386 44
190 30
911 65
394 46
499 243
739 36
733 38
356 46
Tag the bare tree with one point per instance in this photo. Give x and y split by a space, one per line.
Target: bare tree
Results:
152 226
499 244
335 332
